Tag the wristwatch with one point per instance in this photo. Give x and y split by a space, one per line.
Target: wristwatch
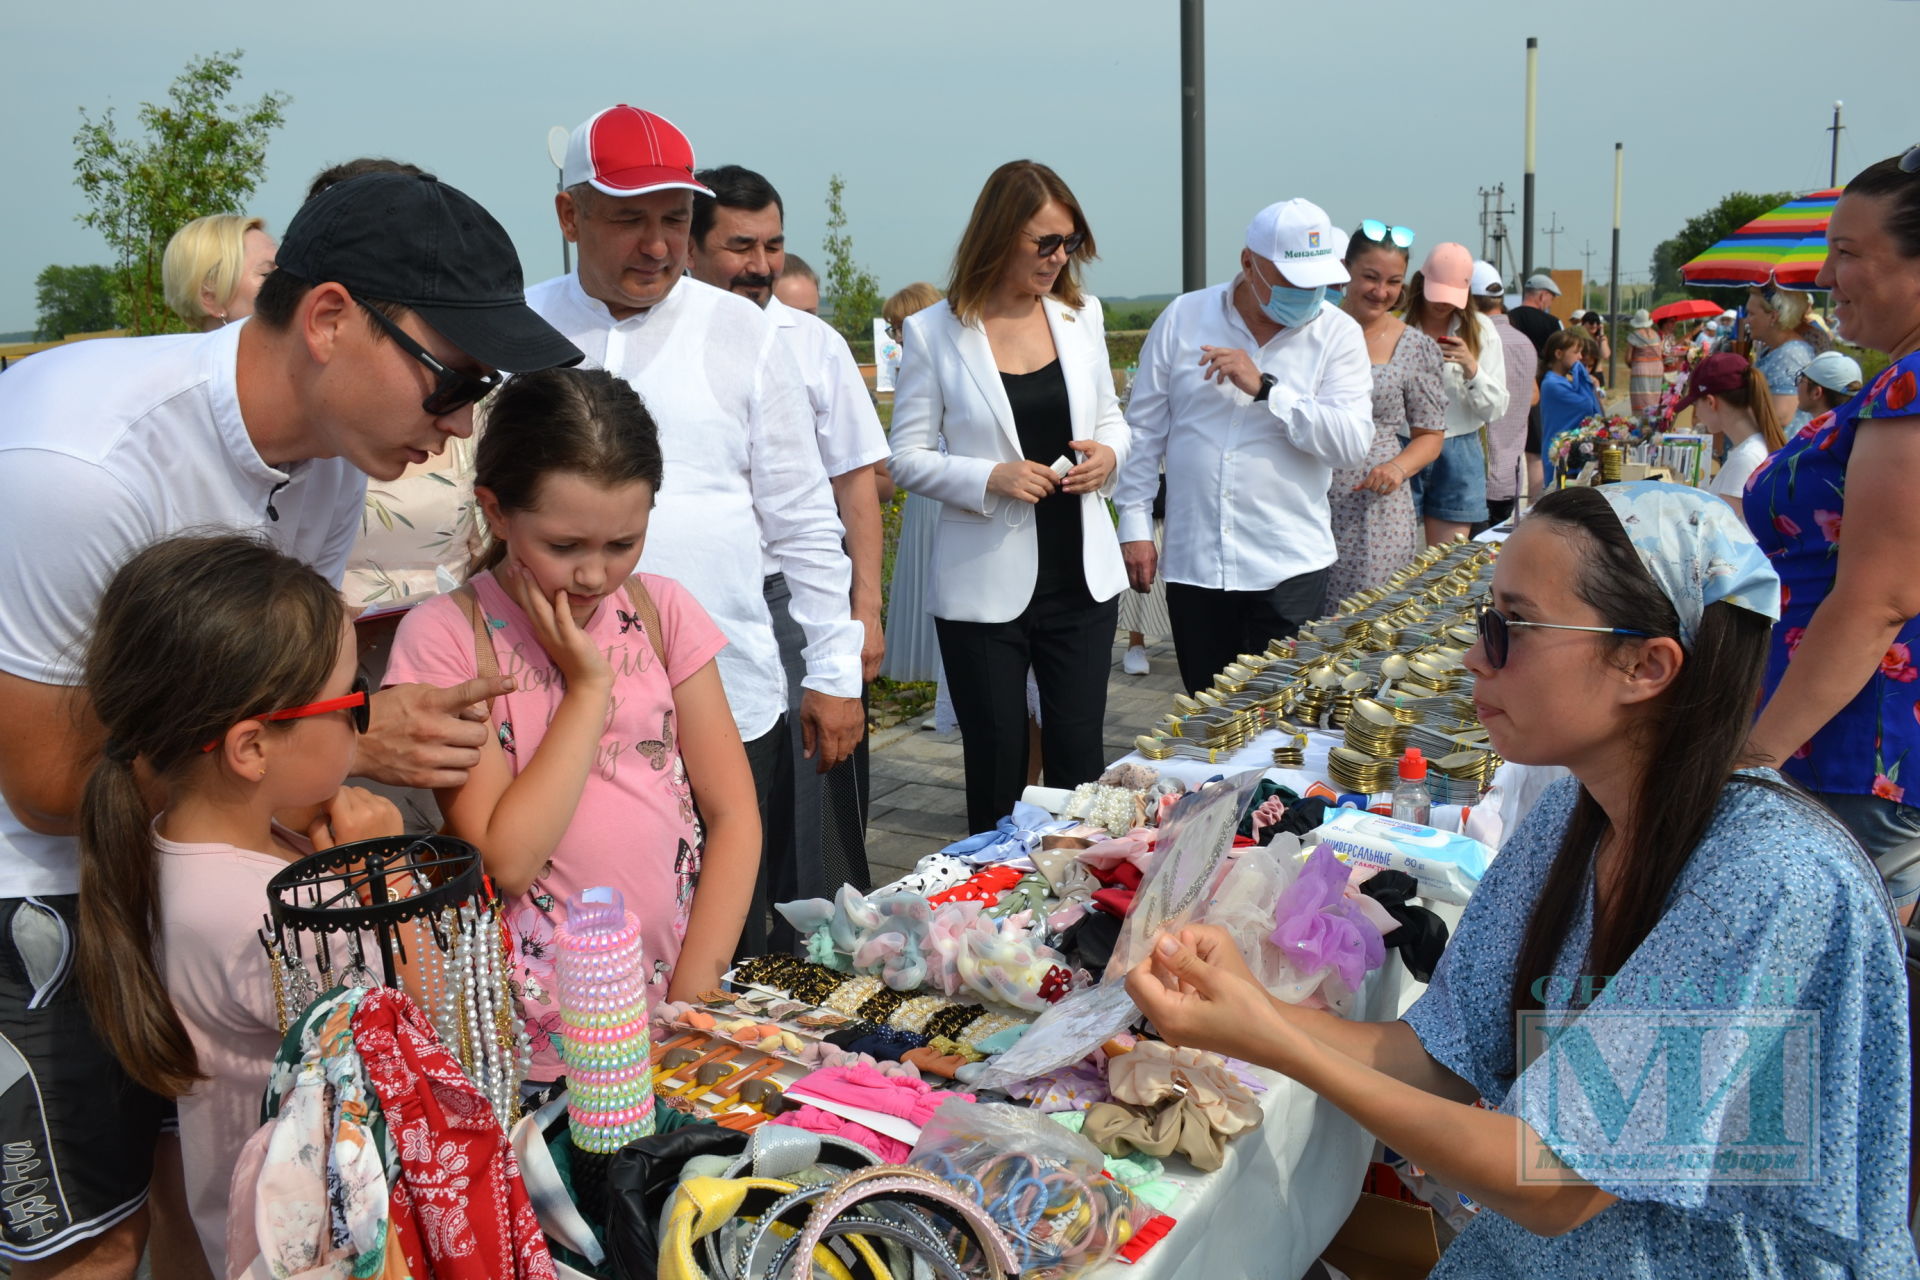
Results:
1266 387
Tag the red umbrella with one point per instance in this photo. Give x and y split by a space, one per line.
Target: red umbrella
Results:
1687 309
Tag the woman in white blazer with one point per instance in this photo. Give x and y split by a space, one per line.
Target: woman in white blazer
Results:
1013 374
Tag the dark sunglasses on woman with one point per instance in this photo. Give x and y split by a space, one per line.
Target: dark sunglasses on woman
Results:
1045 245
1495 636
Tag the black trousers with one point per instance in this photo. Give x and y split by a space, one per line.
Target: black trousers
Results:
829 827
1067 638
770 756
1211 628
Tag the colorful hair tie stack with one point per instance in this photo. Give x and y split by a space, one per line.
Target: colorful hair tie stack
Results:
603 1010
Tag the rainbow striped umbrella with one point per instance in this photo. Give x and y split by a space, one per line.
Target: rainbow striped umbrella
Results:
1787 245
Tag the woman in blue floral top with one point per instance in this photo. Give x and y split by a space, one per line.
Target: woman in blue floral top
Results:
1843 692
1669 1037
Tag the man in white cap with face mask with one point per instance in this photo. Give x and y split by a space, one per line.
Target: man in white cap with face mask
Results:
1251 392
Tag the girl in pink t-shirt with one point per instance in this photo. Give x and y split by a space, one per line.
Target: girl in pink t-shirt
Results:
225 671
615 759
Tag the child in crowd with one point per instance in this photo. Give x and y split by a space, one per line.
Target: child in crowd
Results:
615 761
224 672
1730 399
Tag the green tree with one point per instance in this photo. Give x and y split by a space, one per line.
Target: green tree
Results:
1702 233
73 300
200 155
853 293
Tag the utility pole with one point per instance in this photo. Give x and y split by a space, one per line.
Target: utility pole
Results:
1552 233
1193 145
1493 225
1586 256
1526 190
1833 157
1613 284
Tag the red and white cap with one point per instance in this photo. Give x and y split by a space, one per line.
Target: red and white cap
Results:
625 151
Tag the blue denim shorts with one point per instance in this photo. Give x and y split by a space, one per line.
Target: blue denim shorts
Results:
1454 486
1881 826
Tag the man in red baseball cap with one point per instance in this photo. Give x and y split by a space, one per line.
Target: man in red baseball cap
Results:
745 495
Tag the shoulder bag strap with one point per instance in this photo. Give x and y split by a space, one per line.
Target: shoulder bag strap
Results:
642 601
484 660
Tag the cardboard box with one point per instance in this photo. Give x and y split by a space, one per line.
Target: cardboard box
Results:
1385 1239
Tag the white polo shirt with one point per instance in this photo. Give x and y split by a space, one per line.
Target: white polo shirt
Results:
742 469
844 420
105 448
1246 481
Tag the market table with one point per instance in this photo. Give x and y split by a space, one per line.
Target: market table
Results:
1285 1188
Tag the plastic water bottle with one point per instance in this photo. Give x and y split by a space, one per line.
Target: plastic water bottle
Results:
1411 800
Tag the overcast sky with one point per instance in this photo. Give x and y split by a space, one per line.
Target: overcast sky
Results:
1395 109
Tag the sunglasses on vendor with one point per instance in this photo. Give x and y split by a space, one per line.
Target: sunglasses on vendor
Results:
354 701
1496 634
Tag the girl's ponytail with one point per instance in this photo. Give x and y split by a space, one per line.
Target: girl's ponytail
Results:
1760 397
193 636
119 918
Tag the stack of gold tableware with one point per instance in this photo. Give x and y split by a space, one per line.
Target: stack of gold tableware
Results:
1374 730
1461 777
1292 753
1357 771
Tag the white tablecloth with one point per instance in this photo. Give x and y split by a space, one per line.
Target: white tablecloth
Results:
1285 1188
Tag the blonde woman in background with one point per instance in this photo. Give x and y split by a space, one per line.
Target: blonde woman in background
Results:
1781 321
213 267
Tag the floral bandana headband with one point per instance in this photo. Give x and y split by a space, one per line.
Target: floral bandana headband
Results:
1697 550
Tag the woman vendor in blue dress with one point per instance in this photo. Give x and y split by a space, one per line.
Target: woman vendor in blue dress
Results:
1679 992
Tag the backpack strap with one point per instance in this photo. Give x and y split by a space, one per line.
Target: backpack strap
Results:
485 661
642 601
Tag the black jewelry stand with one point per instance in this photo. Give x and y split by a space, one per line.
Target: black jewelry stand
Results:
346 889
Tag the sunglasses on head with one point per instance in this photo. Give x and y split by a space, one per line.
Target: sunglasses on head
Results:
453 389
1045 245
354 701
1378 231
1495 633
1910 162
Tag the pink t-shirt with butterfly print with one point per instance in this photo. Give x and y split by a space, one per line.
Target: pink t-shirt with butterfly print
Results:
635 828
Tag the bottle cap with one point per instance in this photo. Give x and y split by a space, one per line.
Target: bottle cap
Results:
1413 765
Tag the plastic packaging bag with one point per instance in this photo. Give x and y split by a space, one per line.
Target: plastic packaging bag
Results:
1448 867
1042 1183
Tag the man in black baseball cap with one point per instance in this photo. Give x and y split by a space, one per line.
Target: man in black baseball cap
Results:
397 304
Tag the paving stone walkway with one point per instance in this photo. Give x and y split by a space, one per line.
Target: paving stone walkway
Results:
919 800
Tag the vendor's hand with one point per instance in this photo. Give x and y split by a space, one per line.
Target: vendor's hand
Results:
693 976
830 728
1383 479
1093 470
572 650
1202 1005
1216 946
420 735
1022 481
354 813
1230 364
1143 561
1454 351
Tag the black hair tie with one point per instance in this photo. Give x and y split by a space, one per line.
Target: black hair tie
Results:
119 752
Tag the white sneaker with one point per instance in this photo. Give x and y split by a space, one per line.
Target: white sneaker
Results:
1135 663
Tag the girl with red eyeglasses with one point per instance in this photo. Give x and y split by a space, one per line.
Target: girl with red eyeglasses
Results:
224 675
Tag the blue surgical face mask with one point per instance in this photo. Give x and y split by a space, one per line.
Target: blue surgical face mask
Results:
1335 295
1290 307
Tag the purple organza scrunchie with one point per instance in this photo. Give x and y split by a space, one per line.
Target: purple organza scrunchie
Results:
1317 928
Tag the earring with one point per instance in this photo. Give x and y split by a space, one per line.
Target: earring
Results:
263 774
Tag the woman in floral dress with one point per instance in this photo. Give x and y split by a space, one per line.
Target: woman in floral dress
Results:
1375 528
